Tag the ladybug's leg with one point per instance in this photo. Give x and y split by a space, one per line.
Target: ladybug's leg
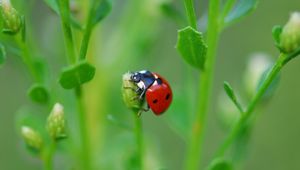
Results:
143 110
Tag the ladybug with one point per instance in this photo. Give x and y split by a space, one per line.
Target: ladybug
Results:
154 88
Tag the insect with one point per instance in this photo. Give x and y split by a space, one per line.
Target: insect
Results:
154 88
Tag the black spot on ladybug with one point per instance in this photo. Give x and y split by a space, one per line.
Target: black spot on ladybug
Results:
168 96
159 81
155 101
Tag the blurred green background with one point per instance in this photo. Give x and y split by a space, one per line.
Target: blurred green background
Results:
144 38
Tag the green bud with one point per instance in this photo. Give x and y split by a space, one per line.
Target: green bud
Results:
32 138
290 36
130 97
56 123
11 19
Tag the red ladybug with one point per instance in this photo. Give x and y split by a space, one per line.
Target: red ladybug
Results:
155 88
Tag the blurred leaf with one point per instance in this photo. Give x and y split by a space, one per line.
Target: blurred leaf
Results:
276 32
192 47
38 93
178 117
220 164
101 11
170 11
241 9
273 86
52 4
2 54
77 75
230 93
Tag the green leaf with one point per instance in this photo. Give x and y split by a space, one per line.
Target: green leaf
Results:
220 164
241 9
276 32
192 47
178 118
230 93
76 75
2 54
52 4
101 11
38 93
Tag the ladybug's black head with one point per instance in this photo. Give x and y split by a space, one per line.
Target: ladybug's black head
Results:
136 77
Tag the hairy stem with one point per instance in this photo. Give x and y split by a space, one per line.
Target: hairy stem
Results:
197 133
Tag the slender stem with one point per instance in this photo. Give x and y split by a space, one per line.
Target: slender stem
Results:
271 76
48 160
190 11
85 153
88 30
27 58
64 8
139 140
69 43
196 138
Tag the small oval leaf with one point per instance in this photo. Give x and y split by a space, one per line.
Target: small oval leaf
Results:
230 93
192 47
77 75
220 164
241 9
38 93
101 11
2 54
276 32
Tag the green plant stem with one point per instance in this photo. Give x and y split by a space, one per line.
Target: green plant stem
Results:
27 58
48 160
190 11
85 150
70 50
139 140
197 133
64 8
282 60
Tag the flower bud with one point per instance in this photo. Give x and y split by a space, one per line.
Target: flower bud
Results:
257 65
56 123
32 138
290 36
130 97
11 19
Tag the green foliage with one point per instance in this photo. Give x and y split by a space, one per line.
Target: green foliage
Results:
241 9
101 11
276 32
220 164
76 75
38 93
192 47
2 54
230 93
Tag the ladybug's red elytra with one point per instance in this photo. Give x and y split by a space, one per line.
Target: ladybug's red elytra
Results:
155 89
